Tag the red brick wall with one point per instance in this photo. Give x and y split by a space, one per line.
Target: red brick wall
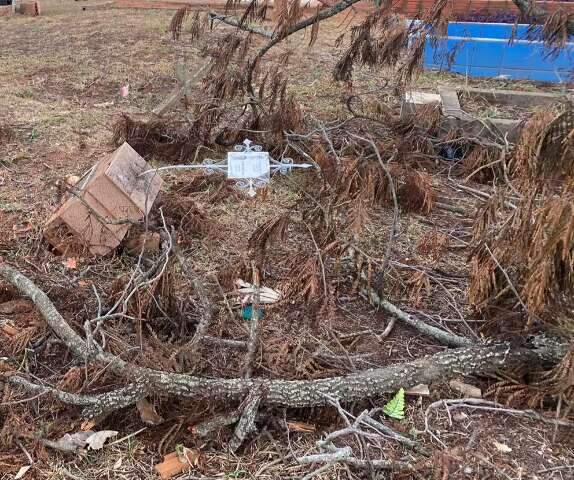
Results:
412 7
5 10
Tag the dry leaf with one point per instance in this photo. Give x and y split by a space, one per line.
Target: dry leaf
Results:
501 447
69 442
96 440
22 471
71 263
467 390
80 440
421 390
87 425
301 427
148 413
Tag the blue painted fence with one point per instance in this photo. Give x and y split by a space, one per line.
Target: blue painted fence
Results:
484 50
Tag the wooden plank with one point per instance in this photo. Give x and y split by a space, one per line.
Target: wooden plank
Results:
450 104
475 128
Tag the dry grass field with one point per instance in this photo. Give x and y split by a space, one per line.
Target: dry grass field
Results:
60 80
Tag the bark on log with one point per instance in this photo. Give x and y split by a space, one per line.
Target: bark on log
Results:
94 404
246 425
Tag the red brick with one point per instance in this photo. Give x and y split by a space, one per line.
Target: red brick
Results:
97 217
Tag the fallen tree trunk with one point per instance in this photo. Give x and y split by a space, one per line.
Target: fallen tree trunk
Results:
290 393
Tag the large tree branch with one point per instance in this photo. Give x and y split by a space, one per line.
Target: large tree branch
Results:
279 36
94 404
297 393
236 22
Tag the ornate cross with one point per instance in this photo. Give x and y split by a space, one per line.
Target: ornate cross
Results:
250 167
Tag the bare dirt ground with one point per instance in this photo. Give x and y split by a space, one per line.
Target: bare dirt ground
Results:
60 76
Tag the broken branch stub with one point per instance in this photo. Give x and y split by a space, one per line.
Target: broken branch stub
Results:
98 213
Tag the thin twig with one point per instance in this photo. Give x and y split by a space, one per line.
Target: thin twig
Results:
127 437
393 230
253 325
507 277
24 400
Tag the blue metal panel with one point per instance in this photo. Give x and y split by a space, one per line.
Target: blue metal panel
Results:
484 50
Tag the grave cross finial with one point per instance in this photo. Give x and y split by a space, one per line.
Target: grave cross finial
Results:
247 144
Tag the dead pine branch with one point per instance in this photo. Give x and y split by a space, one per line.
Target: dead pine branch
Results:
253 342
528 9
282 34
442 336
393 230
94 405
367 419
206 313
331 454
242 25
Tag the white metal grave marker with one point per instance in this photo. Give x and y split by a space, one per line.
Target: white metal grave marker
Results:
251 167
248 165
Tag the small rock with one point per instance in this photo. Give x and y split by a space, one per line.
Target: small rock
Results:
467 390
459 417
467 470
72 180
